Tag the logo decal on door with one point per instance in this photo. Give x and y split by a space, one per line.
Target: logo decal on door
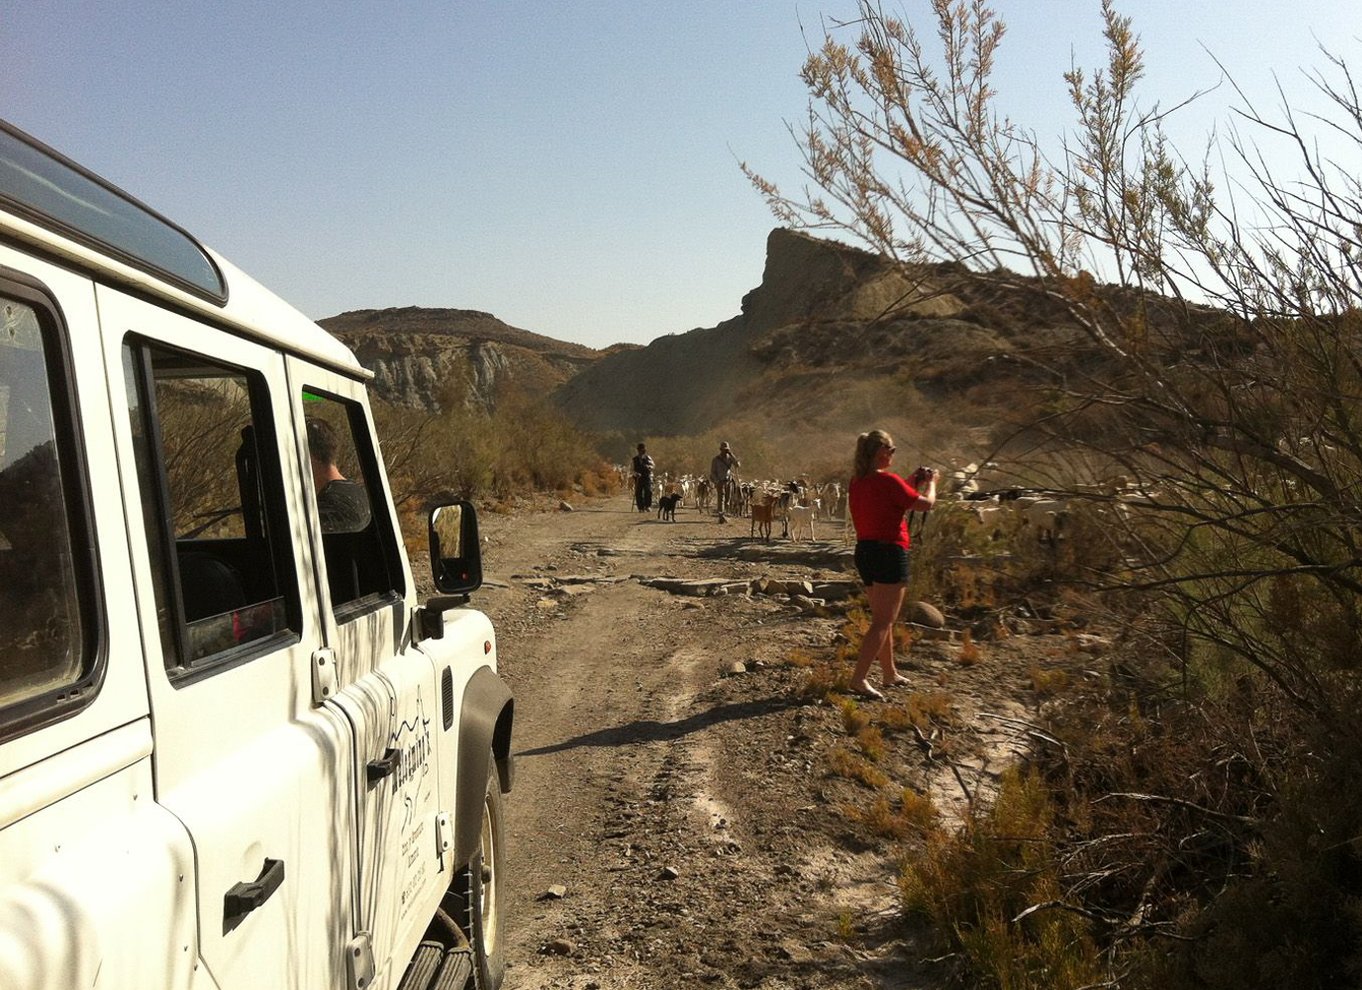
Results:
412 742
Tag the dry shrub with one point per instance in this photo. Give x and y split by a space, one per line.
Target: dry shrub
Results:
924 709
971 887
824 680
914 817
1230 826
842 762
854 718
1048 683
969 653
920 710
601 480
917 811
896 718
800 658
870 741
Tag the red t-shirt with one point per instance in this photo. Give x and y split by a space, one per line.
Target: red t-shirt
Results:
878 502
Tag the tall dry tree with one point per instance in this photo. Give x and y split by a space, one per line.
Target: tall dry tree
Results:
1220 302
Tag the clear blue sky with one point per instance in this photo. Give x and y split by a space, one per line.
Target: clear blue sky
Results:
569 166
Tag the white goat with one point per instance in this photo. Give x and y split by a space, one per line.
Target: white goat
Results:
800 518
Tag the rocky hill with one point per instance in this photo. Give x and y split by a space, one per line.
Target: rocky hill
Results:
416 353
833 341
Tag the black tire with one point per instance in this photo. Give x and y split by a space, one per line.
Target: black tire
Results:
480 888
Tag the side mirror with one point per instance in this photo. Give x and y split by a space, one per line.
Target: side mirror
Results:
455 550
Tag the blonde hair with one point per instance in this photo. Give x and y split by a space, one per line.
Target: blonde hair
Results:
867 446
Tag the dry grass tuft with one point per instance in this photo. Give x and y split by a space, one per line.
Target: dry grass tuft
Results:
870 741
969 654
1048 683
843 762
938 707
825 680
914 817
854 718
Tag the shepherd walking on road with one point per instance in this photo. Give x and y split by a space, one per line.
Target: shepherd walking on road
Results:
723 472
643 479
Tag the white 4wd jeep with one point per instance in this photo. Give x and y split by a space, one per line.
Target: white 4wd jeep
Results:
236 753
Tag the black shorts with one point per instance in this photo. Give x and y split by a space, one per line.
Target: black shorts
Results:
881 563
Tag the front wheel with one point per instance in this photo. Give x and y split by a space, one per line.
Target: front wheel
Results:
479 887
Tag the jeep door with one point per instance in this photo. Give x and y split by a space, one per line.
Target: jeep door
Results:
385 686
260 776
92 872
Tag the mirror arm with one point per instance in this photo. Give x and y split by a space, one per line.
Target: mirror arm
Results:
430 617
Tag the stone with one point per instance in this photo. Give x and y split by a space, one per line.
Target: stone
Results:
555 892
559 947
735 667
564 507
926 615
835 590
668 873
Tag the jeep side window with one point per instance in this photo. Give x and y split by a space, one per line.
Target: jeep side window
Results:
213 499
46 636
357 537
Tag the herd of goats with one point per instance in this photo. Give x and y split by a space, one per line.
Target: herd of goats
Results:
797 505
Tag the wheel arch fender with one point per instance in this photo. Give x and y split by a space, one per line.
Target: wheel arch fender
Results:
485 719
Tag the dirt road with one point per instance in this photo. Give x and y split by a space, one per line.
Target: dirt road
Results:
670 824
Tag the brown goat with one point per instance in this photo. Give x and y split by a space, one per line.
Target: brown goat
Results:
763 513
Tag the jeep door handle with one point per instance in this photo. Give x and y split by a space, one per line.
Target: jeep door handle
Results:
376 770
244 898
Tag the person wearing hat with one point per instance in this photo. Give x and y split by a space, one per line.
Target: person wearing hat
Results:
722 474
643 479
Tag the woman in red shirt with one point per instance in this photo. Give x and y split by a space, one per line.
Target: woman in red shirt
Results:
878 500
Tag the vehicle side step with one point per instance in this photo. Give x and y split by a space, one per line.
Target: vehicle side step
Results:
421 969
456 972
434 967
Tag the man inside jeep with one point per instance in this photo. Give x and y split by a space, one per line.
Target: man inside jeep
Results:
342 504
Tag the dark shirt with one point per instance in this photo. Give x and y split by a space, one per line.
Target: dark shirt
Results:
343 506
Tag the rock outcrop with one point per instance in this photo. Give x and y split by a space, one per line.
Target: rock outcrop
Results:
420 355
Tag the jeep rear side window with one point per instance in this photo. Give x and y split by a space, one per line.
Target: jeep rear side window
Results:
45 633
357 540
212 494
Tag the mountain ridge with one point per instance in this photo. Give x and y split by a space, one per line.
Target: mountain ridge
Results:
833 340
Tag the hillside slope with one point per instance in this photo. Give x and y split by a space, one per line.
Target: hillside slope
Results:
833 341
417 353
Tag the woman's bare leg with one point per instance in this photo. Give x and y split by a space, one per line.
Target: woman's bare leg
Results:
885 602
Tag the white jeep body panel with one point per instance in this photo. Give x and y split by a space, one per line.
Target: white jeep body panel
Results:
263 793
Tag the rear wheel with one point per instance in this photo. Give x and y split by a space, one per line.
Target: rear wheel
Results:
479 887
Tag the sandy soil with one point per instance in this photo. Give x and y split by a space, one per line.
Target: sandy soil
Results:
674 823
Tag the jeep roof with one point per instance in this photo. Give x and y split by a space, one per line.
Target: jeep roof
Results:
51 203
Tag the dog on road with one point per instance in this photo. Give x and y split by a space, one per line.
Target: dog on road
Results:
666 506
